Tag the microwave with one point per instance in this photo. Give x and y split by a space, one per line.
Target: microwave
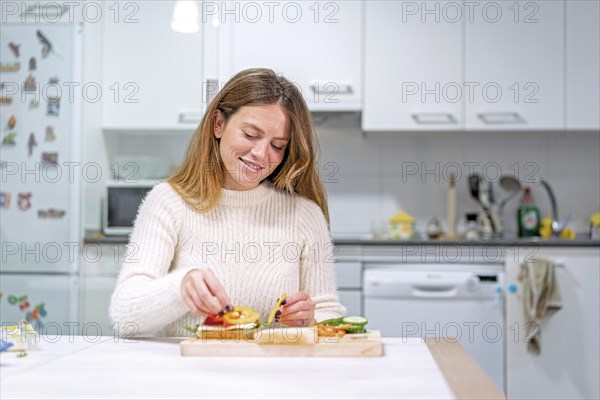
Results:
121 203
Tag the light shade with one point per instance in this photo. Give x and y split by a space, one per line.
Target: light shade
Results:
185 17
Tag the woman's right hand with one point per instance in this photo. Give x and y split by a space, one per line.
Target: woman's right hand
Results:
203 293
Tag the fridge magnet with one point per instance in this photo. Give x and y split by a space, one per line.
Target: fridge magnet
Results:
39 311
32 64
24 201
34 103
50 135
53 106
47 46
51 213
24 305
4 199
31 143
12 299
12 121
50 158
10 67
9 139
5 100
30 83
14 48
5 345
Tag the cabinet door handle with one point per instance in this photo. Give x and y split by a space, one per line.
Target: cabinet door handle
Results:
190 116
331 88
434 118
499 118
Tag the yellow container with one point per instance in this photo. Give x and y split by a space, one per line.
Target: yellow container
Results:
402 226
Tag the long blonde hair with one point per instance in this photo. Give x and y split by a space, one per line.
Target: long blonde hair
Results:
201 176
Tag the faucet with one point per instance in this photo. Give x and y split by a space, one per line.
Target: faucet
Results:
557 226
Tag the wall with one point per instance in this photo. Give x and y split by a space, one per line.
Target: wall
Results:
375 178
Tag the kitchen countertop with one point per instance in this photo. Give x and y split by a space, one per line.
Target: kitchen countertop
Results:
98 238
105 367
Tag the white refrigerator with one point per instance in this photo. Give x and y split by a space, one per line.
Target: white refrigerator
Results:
41 172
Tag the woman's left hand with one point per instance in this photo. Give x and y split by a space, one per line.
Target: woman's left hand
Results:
298 310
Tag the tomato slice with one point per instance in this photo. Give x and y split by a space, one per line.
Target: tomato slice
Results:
213 320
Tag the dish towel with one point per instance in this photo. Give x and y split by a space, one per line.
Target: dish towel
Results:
540 293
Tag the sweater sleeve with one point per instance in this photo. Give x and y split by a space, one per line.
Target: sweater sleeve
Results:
317 275
147 296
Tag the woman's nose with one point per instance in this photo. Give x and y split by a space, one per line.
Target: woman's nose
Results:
259 150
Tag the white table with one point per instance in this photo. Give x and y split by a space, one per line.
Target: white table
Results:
75 367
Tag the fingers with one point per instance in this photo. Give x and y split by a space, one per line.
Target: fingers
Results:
217 290
198 289
300 318
194 292
299 310
296 297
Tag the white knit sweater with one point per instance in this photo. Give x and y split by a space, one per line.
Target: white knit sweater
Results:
260 243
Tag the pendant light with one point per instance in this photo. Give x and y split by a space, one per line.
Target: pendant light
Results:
185 17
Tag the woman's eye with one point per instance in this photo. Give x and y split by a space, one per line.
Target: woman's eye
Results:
249 136
277 148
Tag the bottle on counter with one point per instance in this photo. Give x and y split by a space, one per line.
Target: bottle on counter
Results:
528 215
472 232
451 205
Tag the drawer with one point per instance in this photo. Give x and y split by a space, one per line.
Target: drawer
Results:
348 274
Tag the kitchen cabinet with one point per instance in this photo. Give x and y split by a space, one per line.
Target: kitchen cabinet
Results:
475 66
583 65
152 75
316 45
349 281
413 69
568 365
514 60
100 266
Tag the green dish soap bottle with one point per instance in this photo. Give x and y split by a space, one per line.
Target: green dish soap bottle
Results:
528 215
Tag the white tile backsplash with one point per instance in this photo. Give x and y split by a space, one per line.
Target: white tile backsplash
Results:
574 154
414 169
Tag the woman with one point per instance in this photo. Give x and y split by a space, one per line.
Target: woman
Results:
242 221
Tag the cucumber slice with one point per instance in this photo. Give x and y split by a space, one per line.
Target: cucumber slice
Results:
355 330
332 322
355 321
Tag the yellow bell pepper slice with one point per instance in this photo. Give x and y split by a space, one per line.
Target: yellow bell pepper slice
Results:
241 315
276 308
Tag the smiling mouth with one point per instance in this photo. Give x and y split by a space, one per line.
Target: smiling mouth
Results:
252 166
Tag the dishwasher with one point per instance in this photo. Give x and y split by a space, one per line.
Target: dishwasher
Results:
441 300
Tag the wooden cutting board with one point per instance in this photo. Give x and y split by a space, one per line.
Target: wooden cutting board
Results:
367 345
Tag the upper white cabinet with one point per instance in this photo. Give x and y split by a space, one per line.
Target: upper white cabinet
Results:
481 65
152 77
315 44
514 60
583 65
413 67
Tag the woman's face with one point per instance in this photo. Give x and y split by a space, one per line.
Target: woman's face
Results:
252 145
